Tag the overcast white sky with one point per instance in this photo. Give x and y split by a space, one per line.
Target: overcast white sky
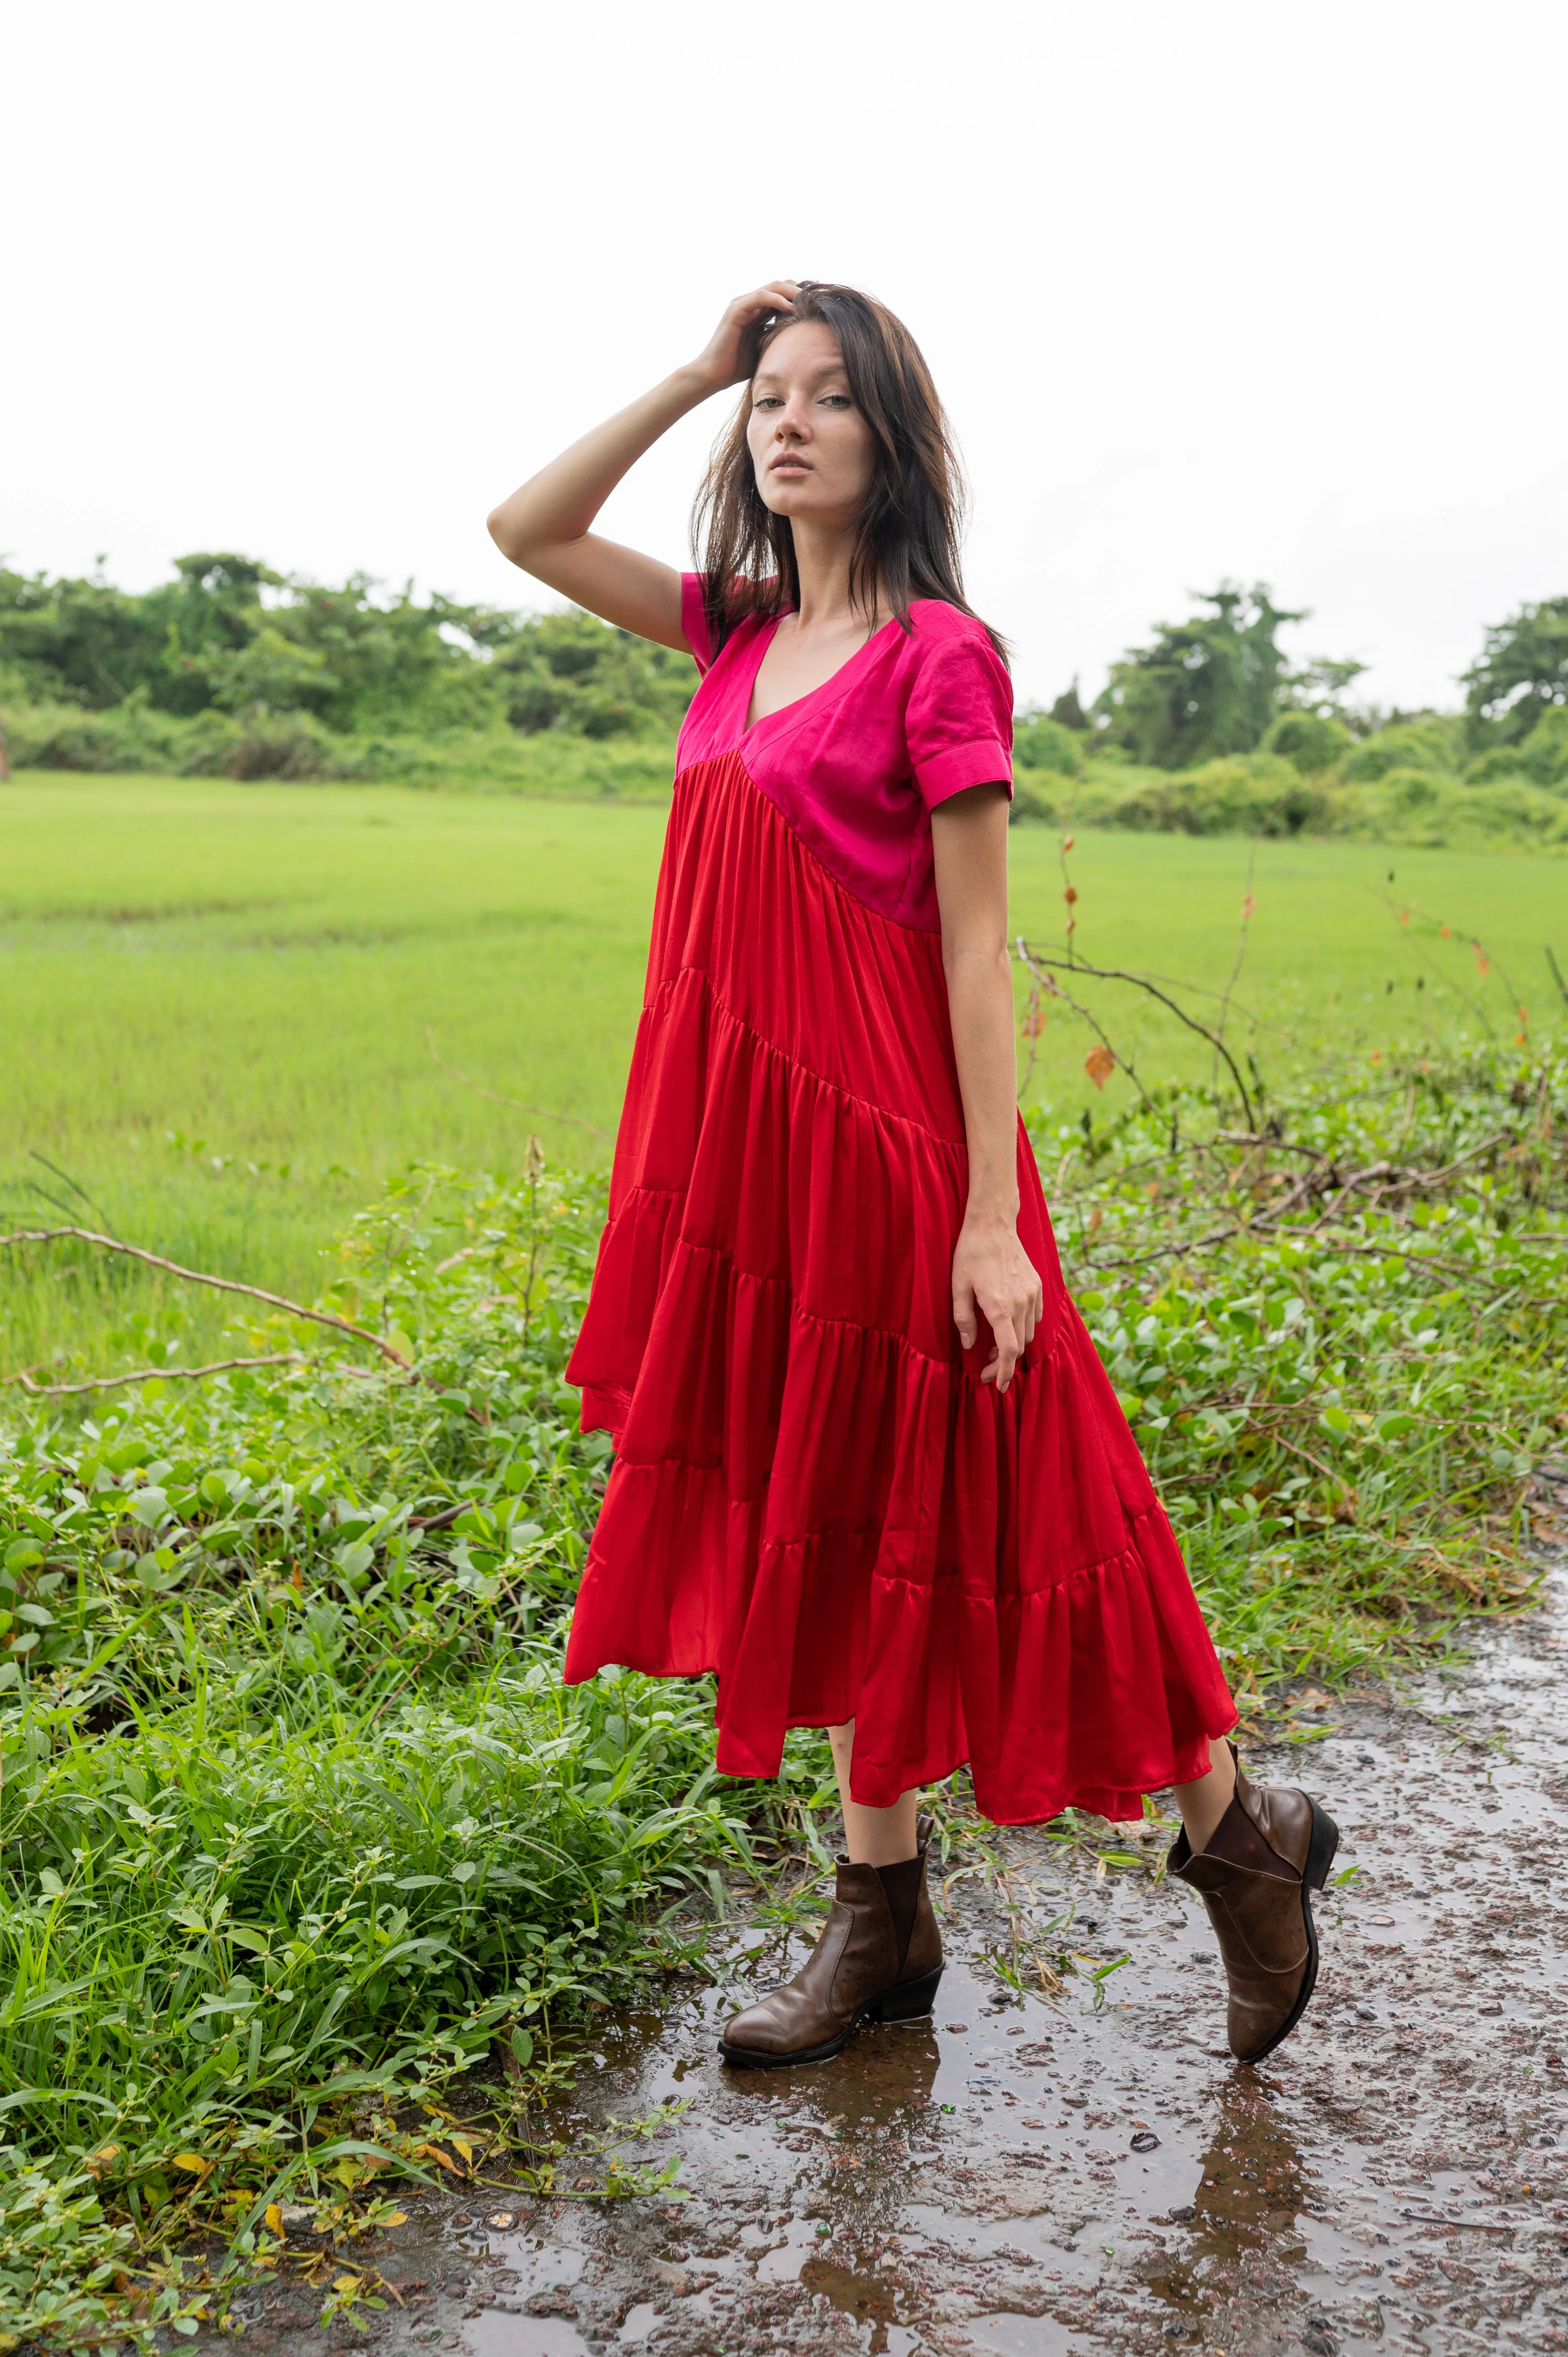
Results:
1265 290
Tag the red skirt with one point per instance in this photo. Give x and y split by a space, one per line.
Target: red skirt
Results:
813 1493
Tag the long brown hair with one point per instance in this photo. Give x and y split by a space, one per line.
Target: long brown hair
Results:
911 525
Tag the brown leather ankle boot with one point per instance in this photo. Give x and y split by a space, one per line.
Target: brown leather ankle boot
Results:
855 1974
1270 1850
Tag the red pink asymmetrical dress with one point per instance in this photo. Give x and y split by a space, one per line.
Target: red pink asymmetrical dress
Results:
812 1492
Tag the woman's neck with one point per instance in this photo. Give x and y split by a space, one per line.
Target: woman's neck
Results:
822 557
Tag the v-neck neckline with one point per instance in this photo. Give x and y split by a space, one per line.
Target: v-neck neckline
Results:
797 704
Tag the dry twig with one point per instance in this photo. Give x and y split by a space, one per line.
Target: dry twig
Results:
200 1276
147 1375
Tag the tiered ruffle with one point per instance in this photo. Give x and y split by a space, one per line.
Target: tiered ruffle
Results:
813 1493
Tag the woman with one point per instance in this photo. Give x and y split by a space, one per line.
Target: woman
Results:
869 1469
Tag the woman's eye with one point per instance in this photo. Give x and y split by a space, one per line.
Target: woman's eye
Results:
768 401
838 401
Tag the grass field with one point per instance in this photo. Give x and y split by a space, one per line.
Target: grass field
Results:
298 1821
218 1000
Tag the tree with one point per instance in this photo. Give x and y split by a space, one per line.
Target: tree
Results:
75 641
1207 686
1319 687
570 672
230 634
1521 673
1068 710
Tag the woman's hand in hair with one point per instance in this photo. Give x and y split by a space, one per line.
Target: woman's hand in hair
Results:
546 525
730 355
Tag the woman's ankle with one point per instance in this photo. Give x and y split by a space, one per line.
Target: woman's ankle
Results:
1204 1801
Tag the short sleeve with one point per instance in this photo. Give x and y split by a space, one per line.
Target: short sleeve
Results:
959 719
694 620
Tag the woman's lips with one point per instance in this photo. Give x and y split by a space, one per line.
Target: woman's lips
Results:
790 467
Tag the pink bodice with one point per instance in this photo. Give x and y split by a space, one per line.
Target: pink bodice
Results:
857 766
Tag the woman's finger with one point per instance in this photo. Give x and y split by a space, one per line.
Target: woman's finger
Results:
1008 1347
963 1316
779 297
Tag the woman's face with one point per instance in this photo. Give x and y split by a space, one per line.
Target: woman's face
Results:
813 449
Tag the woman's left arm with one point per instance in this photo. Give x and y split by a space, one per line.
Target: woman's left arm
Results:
991 1270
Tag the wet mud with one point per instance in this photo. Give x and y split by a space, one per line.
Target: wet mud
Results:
1033 2176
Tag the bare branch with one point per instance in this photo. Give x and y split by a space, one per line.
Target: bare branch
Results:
200 1276
1056 991
1036 958
147 1375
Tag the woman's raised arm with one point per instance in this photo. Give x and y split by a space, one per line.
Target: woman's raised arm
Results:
544 525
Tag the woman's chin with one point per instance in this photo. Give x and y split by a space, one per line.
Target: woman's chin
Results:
803 502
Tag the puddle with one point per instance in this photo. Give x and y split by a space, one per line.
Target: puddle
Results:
1393 2180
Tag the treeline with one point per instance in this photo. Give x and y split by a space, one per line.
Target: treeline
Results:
1209 731
233 668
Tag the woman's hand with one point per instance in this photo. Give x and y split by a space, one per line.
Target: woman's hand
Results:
730 356
546 525
992 1273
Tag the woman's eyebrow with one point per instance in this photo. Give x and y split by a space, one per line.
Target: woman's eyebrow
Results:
818 375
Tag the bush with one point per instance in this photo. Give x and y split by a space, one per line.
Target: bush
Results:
1041 743
64 737
1308 740
1429 744
1259 793
288 746
1541 760
1420 806
1033 801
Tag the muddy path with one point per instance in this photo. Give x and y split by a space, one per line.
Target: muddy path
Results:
1033 2176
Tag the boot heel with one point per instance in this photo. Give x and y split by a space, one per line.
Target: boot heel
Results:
1320 1851
909 2002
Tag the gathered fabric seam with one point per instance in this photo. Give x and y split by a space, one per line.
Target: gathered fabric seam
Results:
993 1603
878 916
814 1317
771 1047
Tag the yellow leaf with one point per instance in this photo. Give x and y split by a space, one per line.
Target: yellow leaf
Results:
1100 1063
194 2162
346 2282
101 2158
274 2218
433 2152
466 2148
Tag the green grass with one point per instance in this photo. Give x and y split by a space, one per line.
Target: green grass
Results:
217 999
296 1820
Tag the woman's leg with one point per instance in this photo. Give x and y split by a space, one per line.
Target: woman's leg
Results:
871 1836
886 1837
1205 1801
879 1957
1255 1853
